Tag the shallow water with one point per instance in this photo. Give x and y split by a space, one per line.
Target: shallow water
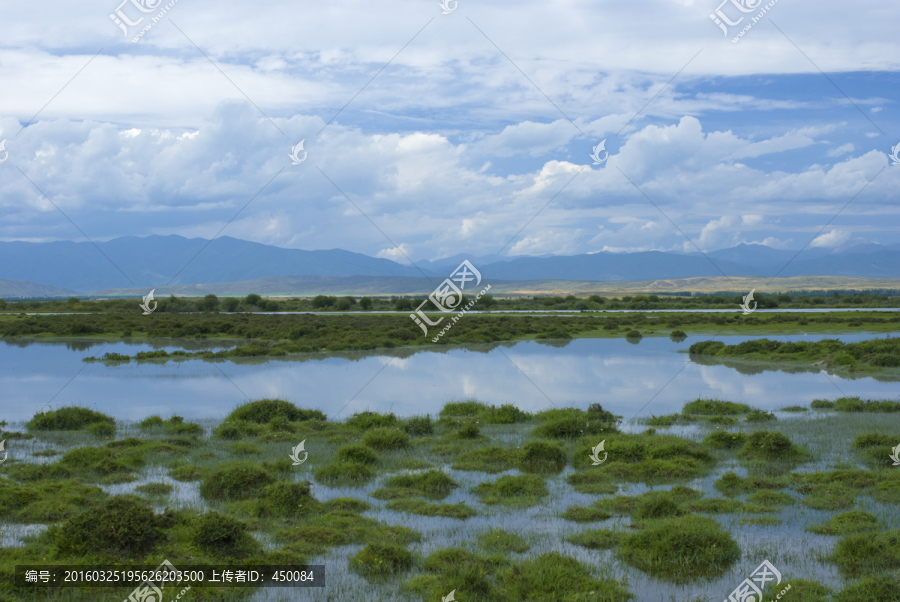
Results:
629 379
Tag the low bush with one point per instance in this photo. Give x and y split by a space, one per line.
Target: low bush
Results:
385 438
123 526
714 407
235 481
540 456
357 454
220 535
70 418
266 410
381 560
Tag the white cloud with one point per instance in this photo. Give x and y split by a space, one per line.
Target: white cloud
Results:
398 253
842 149
831 239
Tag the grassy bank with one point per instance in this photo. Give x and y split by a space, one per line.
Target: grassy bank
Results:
281 334
492 502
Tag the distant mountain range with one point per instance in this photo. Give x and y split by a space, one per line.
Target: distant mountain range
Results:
156 261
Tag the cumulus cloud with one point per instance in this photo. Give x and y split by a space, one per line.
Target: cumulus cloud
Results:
833 238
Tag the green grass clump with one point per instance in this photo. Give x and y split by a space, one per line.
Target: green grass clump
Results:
319 531
600 539
648 458
102 429
573 426
347 504
70 418
656 505
730 484
678 334
235 481
794 409
540 456
680 549
821 404
286 499
238 429
769 501
855 404
223 536
186 473
771 445
553 576
454 569
581 514
503 542
634 334
358 454
876 448
174 425
243 448
264 411
423 508
433 484
714 407
154 489
381 560
876 588
759 416
364 421
418 426
47 501
715 506
489 459
345 473
101 461
592 482
725 440
470 408
384 439
722 420
667 420
867 553
121 527
846 523
516 491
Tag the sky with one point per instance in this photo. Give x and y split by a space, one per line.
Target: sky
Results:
426 134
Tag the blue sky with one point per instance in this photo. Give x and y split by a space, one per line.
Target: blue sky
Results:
451 148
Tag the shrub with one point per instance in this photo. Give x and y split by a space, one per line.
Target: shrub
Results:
463 408
386 439
265 410
122 526
380 560
844 359
469 430
572 427
681 549
70 418
706 347
220 535
102 429
540 456
633 334
678 334
235 481
358 454
433 484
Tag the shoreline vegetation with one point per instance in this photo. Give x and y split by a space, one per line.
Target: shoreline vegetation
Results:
196 494
327 303
256 335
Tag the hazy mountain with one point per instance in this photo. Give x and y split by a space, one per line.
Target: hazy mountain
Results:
22 288
154 260
151 262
